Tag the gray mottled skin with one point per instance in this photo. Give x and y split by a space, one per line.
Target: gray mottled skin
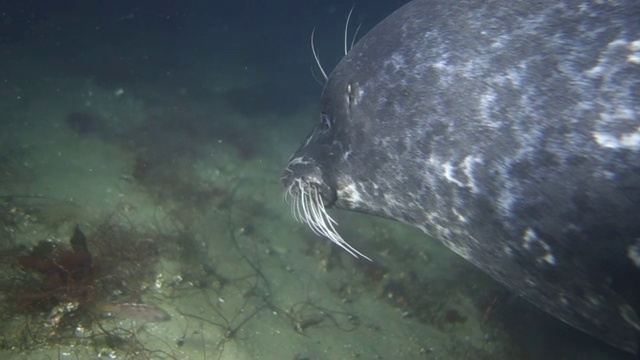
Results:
508 130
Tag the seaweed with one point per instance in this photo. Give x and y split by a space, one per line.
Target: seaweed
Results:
89 290
61 275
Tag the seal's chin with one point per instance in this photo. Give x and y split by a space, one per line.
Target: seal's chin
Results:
308 206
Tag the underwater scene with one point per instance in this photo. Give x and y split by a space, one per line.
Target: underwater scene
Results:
143 216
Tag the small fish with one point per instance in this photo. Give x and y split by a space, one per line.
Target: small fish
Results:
135 311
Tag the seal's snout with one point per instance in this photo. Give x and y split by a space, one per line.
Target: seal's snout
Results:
308 194
299 169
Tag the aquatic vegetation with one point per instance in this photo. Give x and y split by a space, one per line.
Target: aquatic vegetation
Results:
60 275
92 289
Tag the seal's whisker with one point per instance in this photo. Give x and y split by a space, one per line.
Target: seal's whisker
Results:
300 205
316 215
296 205
308 207
353 39
286 194
332 233
294 209
315 56
346 31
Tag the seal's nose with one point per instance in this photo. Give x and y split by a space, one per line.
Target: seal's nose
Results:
294 169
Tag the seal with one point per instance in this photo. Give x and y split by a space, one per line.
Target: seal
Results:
510 132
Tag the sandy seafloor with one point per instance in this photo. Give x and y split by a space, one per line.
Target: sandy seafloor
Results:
197 173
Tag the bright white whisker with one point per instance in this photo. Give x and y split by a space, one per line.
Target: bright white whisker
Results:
353 40
346 31
333 234
294 210
316 221
315 55
307 206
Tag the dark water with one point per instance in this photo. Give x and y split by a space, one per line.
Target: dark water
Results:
191 64
168 43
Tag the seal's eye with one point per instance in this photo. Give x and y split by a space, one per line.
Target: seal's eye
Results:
325 121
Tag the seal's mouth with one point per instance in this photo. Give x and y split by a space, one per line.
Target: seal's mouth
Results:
308 207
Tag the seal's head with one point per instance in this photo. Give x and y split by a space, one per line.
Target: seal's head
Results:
308 182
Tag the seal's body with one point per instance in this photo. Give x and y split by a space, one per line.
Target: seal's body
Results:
510 131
